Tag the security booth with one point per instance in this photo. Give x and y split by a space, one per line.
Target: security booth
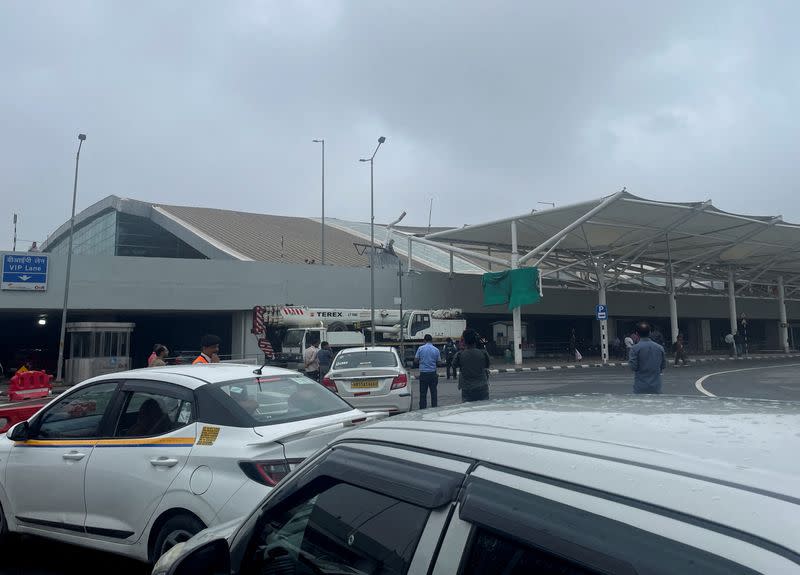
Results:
503 337
96 348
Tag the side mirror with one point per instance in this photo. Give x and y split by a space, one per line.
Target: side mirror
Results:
19 432
213 558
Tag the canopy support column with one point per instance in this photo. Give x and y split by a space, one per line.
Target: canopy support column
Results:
732 300
783 328
517 312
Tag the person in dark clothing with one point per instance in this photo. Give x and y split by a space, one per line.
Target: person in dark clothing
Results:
738 341
473 365
450 351
325 358
680 350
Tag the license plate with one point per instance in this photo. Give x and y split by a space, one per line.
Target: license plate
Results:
365 384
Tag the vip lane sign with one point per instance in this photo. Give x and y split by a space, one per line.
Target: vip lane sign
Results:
24 272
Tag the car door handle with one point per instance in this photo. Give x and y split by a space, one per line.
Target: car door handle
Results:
163 462
74 456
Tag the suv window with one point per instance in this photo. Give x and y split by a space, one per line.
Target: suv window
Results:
79 414
269 400
337 528
147 414
365 359
494 554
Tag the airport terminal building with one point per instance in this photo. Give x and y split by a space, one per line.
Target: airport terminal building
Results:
178 272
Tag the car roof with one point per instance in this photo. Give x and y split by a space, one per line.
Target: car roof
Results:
363 349
738 441
194 376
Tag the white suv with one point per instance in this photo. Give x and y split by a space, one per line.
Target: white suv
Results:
578 485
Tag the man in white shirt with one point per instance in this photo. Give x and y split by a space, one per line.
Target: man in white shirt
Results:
311 361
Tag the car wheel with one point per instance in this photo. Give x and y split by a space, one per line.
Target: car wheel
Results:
176 530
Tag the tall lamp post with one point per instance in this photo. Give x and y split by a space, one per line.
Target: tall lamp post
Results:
371 161
59 372
322 240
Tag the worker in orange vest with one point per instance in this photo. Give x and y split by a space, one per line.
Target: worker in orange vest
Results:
210 350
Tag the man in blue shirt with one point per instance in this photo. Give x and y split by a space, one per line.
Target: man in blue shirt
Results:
647 360
428 356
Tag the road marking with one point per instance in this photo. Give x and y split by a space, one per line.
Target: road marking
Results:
699 383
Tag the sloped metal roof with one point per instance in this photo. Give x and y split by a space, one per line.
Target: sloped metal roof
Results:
693 241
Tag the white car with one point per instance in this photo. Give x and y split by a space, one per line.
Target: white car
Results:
580 485
371 378
136 462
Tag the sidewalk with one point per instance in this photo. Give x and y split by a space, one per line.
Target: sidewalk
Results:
547 365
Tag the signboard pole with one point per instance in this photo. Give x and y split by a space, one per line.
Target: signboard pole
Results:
59 371
602 315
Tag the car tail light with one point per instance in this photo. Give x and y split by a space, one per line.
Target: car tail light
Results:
329 384
267 473
400 381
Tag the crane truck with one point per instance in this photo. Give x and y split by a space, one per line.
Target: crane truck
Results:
292 328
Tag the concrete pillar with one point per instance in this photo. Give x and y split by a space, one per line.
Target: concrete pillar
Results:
783 327
410 259
673 315
732 301
601 299
517 313
488 253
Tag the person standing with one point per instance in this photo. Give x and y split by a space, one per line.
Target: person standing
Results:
450 351
325 359
473 364
738 341
311 361
428 356
209 349
647 360
153 355
680 350
159 360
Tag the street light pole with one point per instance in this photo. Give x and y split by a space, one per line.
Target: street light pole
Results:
322 240
60 368
371 161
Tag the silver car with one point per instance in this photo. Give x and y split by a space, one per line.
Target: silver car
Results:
582 485
371 379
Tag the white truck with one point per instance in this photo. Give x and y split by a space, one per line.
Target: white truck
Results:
298 325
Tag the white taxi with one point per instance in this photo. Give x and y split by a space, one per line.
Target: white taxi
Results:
136 462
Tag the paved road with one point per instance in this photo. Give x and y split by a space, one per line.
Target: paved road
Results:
772 380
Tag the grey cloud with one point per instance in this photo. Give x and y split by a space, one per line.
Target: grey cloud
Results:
488 107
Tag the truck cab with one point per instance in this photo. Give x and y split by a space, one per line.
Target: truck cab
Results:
418 324
298 339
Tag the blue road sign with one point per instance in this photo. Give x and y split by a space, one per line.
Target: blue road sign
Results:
601 312
24 271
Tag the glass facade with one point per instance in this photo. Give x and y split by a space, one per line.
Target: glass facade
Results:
119 234
97 238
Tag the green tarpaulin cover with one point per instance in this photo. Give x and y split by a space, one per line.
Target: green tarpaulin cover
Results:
514 287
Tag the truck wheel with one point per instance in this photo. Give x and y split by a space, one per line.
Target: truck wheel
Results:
337 326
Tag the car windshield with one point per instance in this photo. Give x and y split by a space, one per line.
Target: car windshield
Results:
294 337
269 400
362 359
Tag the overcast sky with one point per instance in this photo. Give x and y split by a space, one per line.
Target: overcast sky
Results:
488 107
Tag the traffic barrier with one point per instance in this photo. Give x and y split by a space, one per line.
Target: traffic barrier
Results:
30 385
11 415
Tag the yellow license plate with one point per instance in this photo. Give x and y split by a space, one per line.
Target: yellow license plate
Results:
365 384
